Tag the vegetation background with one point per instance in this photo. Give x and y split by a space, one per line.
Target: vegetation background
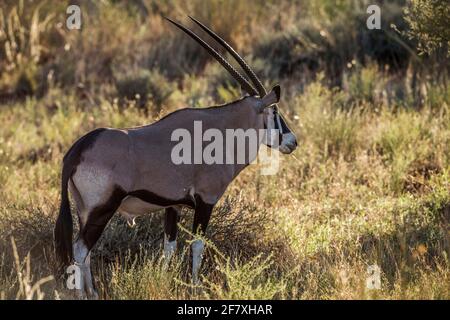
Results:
368 185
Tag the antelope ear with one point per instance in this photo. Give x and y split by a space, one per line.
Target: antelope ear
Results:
271 98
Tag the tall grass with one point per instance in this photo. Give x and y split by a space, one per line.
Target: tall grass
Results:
368 184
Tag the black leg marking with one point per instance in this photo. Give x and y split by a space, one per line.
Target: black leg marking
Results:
202 215
99 218
153 198
170 223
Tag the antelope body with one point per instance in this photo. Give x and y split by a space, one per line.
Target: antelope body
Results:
130 171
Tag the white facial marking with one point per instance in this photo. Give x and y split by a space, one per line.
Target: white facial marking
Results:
197 253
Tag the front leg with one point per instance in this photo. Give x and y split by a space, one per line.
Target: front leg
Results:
201 219
171 219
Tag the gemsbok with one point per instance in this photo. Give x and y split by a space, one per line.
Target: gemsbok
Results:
131 171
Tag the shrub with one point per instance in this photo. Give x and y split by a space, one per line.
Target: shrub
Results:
143 277
428 24
249 280
146 86
365 83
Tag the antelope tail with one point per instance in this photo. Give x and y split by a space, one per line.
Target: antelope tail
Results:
64 225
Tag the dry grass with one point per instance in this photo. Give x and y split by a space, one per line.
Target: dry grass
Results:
364 187
369 183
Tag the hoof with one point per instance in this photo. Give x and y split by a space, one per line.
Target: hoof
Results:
93 295
80 295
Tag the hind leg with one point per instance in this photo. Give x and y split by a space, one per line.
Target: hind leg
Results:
91 231
92 223
89 234
82 261
81 253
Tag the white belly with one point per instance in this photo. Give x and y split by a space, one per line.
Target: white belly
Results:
132 207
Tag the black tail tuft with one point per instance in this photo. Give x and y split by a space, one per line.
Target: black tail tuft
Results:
64 225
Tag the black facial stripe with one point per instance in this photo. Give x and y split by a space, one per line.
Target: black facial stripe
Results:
280 125
284 127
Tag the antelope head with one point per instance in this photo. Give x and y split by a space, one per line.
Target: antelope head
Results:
285 140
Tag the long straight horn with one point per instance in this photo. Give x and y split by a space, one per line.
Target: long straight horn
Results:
259 86
234 73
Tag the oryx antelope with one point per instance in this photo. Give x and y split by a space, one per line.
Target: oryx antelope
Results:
130 170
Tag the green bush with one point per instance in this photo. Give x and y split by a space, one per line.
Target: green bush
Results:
428 24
